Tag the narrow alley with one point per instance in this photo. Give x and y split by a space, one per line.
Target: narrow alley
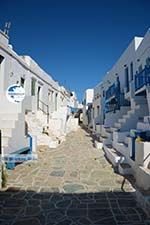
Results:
71 185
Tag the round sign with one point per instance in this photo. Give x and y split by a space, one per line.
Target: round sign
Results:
15 93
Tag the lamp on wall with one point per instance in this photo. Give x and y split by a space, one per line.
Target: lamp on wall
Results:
11 74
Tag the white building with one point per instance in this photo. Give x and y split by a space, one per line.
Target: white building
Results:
122 103
44 109
87 107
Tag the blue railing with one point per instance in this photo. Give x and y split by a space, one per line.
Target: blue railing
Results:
116 103
142 78
111 91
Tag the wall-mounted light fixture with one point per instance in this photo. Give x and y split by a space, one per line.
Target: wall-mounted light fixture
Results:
11 74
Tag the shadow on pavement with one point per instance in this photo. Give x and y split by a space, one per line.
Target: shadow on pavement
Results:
21 207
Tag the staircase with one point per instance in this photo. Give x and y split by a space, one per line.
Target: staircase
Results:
36 123
116 137
12 121
129 121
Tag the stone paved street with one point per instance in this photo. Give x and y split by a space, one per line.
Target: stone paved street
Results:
71 185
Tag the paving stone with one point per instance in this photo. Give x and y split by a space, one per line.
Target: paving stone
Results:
99 214
71 188
32 221
15 203
56 198
100 205
57 173
84 221
41 196
76 213
73 185
74 174
47 206
64 222
32 211
34 202
4 222
12 210
55 215
63 204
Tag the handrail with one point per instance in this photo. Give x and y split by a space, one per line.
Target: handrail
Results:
146 157
142 78
42 109
111 91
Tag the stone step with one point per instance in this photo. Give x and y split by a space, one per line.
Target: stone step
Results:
98 145
117 125
125 169
122 147
122 120
7 123
123 144
126 116
112 155
113 129
5 141
6 132
102 138
9 116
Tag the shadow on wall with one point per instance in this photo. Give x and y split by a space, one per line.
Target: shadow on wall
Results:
21 207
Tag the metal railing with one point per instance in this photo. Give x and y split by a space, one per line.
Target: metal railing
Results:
111 91
44 108
142 78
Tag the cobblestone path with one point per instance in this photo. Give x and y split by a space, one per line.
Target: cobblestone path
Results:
71 185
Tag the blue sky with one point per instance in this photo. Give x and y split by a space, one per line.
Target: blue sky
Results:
77 42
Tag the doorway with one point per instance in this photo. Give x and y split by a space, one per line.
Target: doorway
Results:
38 97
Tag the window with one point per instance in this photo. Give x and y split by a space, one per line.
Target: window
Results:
98 110
131 71
103 93
148 62
127 79
1 58
22 81
33 82
56 95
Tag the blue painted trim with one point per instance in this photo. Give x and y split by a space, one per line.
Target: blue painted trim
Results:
21 150
14 155
30 142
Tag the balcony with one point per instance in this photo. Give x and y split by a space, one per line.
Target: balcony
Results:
142 78
111 92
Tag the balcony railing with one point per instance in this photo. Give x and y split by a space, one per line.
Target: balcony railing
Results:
142 78
44 108
111 91
115 103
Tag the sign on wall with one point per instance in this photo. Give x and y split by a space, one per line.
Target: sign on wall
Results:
15 93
